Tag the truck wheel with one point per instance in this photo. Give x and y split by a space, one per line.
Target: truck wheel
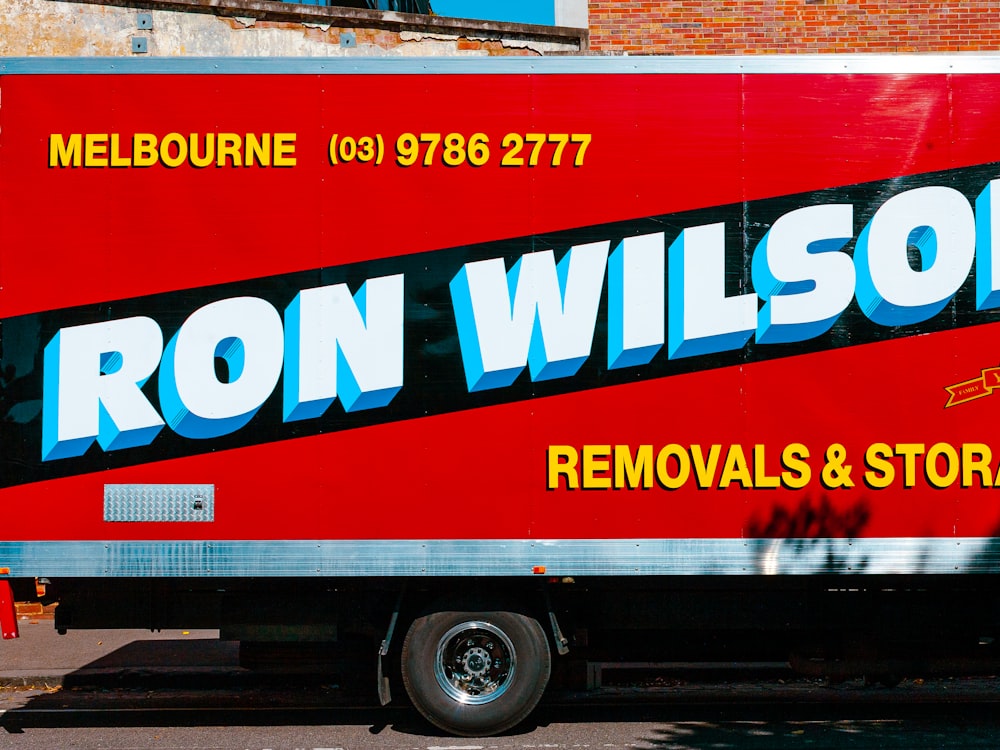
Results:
475 674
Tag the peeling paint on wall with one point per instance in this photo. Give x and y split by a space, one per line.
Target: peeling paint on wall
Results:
536 47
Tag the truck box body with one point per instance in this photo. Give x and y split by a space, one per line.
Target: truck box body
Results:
572 317
373 491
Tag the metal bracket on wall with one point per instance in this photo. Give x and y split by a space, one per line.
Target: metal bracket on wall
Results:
139 45
144 21
348 39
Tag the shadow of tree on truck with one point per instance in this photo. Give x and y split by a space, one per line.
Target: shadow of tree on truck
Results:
810 538
986 560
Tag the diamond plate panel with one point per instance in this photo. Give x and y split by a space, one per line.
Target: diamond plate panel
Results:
159 502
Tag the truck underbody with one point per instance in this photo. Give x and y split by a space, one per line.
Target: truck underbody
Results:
881 628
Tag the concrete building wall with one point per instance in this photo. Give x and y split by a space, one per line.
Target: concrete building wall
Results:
258 28
571 13
683 27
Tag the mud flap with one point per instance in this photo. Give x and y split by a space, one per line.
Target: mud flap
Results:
384 693
8 616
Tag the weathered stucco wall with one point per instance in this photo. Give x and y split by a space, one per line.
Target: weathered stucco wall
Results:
254 28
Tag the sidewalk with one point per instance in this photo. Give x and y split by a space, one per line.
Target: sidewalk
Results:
43 658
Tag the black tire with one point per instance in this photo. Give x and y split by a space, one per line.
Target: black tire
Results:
475 674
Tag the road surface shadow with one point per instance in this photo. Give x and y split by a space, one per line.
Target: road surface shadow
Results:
198 684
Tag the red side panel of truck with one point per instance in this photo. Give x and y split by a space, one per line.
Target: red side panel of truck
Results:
586 317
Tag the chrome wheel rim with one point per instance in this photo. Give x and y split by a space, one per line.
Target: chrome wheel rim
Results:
475 662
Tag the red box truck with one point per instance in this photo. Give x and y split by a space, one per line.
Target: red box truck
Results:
491 359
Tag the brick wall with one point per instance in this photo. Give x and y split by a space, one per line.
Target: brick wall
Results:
684 27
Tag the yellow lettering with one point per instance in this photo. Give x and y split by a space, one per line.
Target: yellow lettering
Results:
171 160
95 150
563 460
950 455
144 152
797 472
284 149
629 472
229 148
881 473
683 466
704 469
596 460
760 478
117 160
976 459
736 469
65 153
204 159
258 150
909 452
174 150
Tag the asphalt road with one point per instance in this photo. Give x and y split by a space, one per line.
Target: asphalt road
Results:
125 690
942 715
